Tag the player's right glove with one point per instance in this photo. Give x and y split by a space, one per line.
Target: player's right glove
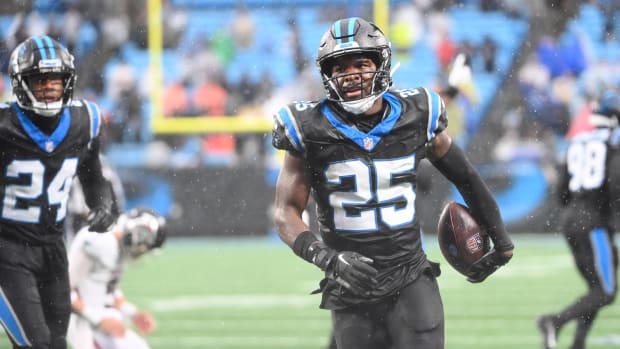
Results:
350 269
486 266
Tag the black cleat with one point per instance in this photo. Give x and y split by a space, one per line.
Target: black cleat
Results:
549 331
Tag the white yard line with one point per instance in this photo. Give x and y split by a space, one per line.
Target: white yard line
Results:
251 301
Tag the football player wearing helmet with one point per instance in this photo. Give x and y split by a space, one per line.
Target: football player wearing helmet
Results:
96 266
46 139
357 151
590 194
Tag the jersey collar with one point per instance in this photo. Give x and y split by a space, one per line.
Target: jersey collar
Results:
47 143
367 141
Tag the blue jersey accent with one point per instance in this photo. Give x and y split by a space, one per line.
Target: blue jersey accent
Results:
95 115
11 323
291 130
603 259
367 141
47 143
434 107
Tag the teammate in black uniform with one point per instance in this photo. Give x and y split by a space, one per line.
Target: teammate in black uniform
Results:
358 151
590 194
45 140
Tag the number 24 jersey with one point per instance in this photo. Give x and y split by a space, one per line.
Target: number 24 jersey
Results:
38 169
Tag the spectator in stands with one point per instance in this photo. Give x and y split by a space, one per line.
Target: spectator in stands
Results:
446 51
126 101
489 53
176 101
406 29
174 23
243 27
210 99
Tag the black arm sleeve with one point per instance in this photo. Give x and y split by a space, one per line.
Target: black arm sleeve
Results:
455 166
97 192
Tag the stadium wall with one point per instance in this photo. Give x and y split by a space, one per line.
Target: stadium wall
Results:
237 201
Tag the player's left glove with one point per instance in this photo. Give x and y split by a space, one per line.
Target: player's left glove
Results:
100 219
486 265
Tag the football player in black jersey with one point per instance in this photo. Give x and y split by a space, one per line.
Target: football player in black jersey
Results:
46 140
357 151
590 194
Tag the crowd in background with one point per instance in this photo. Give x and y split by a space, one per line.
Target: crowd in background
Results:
558 81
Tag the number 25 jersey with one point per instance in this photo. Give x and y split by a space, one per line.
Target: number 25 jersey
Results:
38 169
364 184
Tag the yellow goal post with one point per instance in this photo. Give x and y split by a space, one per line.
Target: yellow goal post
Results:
205 124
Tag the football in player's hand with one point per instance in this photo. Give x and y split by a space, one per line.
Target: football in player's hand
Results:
461 240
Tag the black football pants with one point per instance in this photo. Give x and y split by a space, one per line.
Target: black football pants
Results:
597 261
35 300
414 319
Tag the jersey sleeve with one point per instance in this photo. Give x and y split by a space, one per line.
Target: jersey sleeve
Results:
437 120
286 133
95 119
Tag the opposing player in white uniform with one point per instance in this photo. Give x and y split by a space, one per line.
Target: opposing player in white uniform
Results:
96 264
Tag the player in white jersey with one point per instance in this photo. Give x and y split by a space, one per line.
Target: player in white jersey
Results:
101 313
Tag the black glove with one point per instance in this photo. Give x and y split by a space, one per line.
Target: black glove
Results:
354 272
349 269
100 219
486 266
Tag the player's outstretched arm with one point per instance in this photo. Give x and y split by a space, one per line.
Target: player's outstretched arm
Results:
450 160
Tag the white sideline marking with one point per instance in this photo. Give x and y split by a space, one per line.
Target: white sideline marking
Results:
606 341
234 301
237 341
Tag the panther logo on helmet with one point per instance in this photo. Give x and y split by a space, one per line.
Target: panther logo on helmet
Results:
39 55
355 36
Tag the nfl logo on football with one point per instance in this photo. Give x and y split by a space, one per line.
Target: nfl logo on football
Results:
474 243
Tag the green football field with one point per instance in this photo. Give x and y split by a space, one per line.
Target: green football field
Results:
255 294
244 294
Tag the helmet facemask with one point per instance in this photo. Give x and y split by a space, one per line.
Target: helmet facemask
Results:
372 84
29 101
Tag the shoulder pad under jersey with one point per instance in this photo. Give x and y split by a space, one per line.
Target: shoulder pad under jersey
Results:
286 132
430 104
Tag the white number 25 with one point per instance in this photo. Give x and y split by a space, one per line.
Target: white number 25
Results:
384 191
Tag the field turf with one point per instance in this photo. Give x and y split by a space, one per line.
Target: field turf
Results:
245 294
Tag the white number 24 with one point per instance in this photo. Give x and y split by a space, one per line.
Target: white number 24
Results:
384 191
57 191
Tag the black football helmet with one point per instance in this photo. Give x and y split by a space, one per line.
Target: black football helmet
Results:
607 114
35 56
143 230
355 36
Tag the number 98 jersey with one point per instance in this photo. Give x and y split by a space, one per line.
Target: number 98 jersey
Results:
364 184
589 181
37 169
